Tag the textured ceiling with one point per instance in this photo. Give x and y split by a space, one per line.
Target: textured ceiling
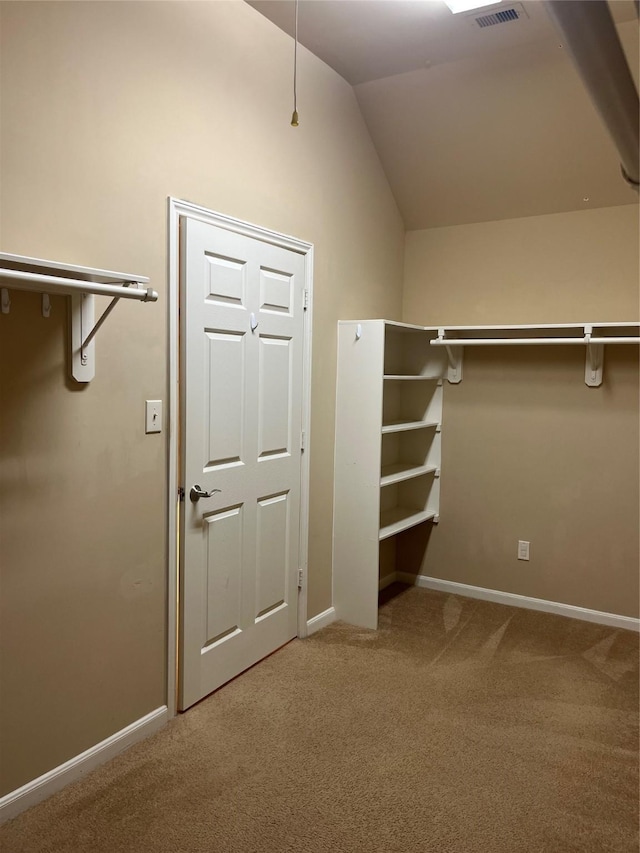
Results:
470 124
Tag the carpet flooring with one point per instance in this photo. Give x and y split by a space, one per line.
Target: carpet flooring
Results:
458 726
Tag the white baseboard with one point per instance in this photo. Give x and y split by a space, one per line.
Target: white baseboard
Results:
46 785
321 621
387 580
570 610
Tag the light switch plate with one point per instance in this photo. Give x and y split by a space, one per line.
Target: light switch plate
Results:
153 416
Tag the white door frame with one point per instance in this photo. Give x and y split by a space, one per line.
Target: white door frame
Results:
178 208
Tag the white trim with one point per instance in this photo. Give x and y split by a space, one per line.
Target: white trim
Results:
47 784
178 208
387 580
173 504
510 598
238 226
303 628
321 620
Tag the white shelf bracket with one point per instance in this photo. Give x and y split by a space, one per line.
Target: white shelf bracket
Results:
454 354
594 361
80 284
83 358
83 331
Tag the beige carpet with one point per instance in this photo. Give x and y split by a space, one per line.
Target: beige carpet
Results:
459 726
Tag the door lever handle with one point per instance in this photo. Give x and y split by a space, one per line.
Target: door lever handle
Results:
198 492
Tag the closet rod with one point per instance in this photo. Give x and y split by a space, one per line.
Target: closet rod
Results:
68 286
471 342
613 341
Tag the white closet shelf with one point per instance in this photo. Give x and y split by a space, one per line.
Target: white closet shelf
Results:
403 426
24 273
401 471
396 520
82 284
593 336
532 329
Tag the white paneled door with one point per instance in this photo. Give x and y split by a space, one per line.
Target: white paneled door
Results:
241 331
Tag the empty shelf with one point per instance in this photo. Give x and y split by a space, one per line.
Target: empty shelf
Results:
395 520
401 426
402 471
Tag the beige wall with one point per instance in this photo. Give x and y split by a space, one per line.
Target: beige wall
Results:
107 109
529 451
495 134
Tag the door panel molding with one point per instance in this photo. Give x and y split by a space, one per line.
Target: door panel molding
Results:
275 292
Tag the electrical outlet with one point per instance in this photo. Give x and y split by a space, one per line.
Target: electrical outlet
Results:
523 549
153 416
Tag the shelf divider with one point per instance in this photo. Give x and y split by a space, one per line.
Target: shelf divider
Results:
403 426
396 520
397 473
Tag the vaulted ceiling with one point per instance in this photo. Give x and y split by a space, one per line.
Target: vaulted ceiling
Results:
471 123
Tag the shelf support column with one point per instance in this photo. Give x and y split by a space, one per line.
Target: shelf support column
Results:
454 354
83 331
104 316
594 361
83 363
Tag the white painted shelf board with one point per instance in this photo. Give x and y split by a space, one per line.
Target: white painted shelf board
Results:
55 268
397 473
403 426
632 324
545 333
515 327
401 518
412 377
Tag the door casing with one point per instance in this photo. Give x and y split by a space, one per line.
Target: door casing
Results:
178 208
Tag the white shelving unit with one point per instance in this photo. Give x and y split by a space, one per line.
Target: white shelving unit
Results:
387 461
388 431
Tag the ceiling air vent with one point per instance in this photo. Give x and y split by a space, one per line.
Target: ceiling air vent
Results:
501 17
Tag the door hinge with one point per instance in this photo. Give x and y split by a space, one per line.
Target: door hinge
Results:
303 440
180 493
305 300
300 578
